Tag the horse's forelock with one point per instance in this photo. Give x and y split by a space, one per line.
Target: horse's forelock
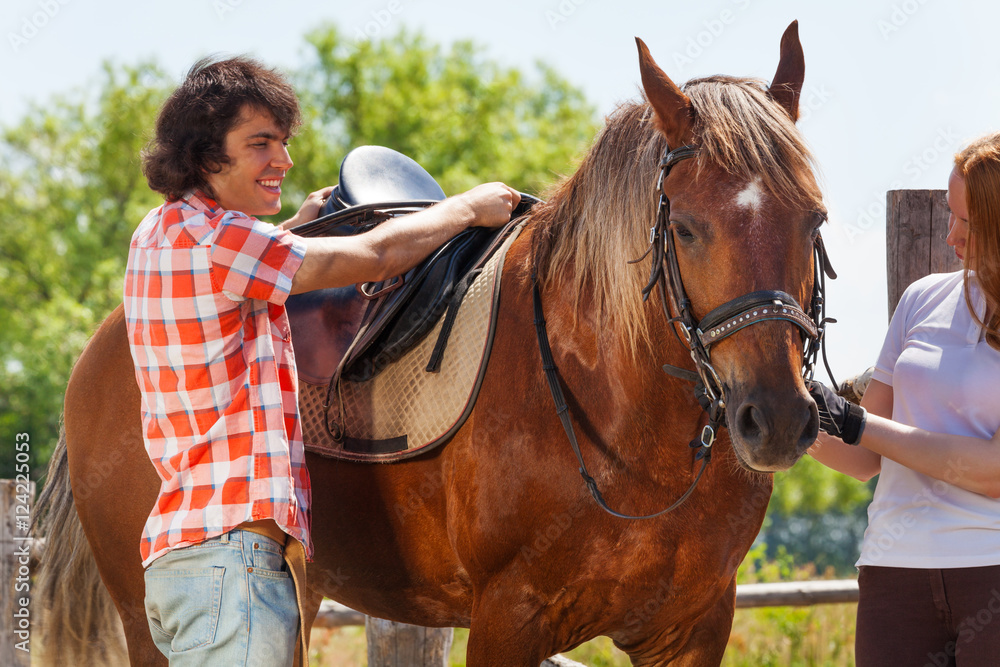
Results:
740 128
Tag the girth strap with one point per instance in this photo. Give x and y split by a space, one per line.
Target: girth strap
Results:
437 354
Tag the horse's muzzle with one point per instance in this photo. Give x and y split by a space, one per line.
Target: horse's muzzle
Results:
770 431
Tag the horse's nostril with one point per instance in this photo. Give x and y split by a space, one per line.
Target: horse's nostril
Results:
811 429
748 422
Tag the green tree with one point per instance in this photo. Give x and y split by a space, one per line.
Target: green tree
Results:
462 116
72 190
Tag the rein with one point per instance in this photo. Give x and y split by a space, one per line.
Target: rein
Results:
552 375
699 336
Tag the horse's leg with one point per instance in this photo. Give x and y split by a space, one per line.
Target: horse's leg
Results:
506 631
703 645
114 484
707 644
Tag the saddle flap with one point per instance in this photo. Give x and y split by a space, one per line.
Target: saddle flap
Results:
409 313
323 324
405 411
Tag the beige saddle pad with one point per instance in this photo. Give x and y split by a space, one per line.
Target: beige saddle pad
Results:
406 410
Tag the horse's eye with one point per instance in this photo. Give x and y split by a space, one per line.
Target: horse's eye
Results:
682 231
817 221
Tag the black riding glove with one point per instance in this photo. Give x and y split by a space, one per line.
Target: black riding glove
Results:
837 416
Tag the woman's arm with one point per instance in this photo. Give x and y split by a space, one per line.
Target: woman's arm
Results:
858 462
969 463
972 464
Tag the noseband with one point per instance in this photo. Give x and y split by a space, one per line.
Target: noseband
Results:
699 336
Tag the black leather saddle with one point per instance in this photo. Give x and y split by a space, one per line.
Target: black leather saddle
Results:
371 174
378 183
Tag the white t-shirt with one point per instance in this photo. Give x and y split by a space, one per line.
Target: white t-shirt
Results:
944 378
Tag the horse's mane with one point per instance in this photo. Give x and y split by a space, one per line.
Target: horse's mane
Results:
598 219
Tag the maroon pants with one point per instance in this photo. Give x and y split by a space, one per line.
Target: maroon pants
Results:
928 618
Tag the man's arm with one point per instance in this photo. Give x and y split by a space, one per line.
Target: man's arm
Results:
399 244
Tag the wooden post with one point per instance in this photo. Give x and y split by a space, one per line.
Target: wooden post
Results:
400 645
15 573
915 229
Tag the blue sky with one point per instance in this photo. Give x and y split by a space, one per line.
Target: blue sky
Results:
893 87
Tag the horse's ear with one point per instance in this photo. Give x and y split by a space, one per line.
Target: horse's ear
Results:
787 83
672 107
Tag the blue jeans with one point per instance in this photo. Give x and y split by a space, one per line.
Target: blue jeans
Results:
227 601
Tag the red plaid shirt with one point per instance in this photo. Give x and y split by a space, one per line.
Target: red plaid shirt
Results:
204 295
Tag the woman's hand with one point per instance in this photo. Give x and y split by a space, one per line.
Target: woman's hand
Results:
837 416
859 462
309 209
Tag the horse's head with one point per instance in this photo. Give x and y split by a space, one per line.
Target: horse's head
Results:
744 214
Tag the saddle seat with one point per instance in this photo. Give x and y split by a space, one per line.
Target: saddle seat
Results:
389 370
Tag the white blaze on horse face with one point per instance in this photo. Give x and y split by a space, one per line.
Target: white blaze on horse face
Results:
751 201
751 197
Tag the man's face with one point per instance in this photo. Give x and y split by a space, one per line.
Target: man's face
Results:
258 161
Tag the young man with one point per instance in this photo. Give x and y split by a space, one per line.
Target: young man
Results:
204 292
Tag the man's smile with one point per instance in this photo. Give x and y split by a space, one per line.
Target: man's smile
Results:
272 185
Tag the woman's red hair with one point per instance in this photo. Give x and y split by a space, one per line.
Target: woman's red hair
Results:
979 164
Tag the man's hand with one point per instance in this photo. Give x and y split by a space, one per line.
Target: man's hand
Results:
309 209
837 416
398 244
490 204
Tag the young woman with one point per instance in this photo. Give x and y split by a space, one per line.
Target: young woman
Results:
930 560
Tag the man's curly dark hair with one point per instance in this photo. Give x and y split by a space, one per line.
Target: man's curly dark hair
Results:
191 129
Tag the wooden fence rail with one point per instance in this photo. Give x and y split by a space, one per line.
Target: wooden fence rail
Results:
783 594
797 593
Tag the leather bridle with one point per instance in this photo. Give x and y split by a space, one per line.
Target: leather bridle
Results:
699 336
733 315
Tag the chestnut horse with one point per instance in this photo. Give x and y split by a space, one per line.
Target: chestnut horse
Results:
495 531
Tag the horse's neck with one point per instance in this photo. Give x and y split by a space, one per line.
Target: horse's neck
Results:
604 376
